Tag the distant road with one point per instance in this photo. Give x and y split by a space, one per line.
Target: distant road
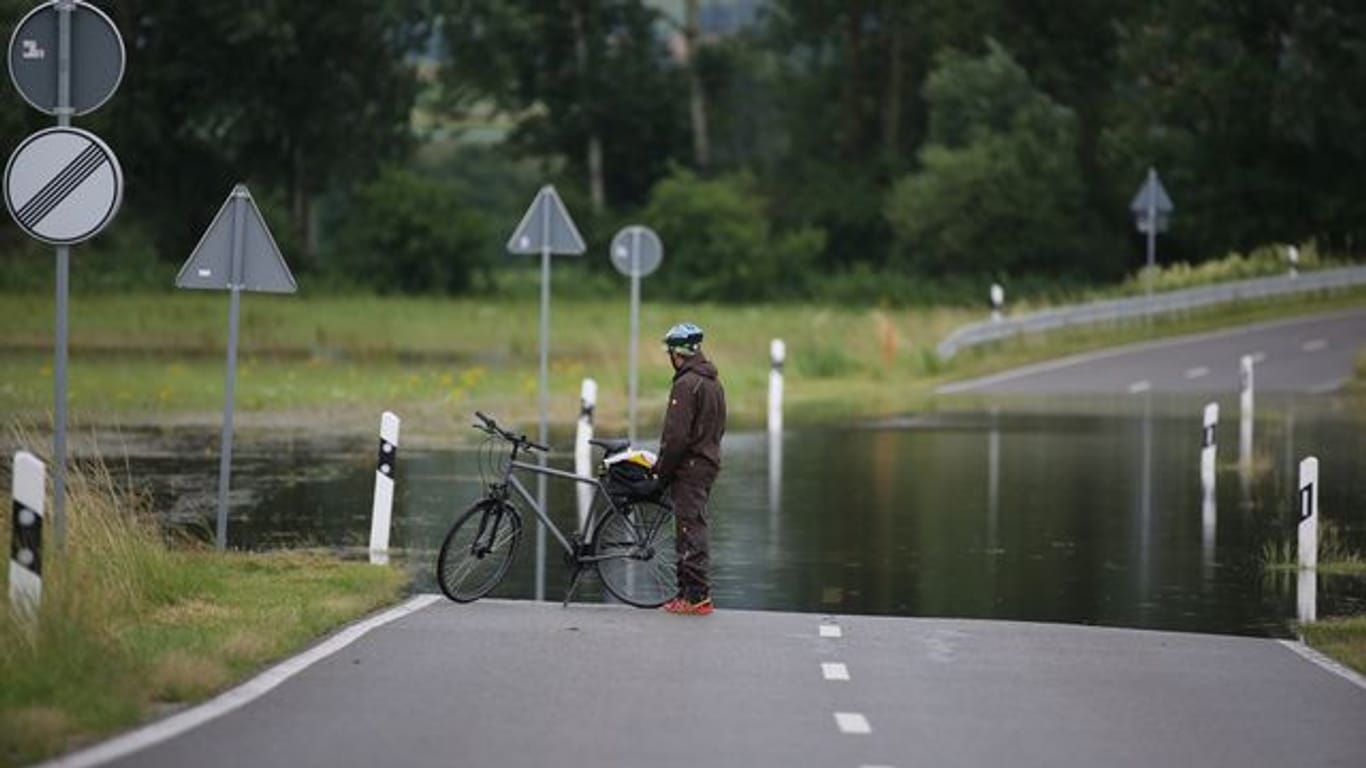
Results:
500 684
1305 355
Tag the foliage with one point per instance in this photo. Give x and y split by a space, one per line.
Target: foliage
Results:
1000 191
411 234
719 242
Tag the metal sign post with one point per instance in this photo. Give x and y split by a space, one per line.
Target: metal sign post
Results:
65 58
636 252
236 253
545 229
1152 210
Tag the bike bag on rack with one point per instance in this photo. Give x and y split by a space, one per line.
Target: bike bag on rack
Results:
630 475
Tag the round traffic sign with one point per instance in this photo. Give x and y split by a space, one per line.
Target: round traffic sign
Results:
636 251
63 185
97 57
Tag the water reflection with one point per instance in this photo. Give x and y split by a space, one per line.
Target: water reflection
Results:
1085 517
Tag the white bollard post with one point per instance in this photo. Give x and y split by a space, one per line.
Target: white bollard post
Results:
1209 447
1209 515
1293 255
777 352
1245 417
998 299
26 538
382 512
583 454
1308 539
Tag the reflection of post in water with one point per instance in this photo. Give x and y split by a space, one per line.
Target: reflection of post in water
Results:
1209 515
993 487
1245 415
1146 503
775 489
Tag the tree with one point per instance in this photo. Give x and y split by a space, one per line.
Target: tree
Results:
719 241
589 82
292 97
1000 190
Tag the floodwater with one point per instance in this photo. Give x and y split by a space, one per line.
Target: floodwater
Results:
1095 515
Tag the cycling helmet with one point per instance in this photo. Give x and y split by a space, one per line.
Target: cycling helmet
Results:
683 339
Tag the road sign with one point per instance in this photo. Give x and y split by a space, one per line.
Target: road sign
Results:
96 54
636 251
1151 203
546 226
238 224
63 185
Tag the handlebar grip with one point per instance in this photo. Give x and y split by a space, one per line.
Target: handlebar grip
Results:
538 446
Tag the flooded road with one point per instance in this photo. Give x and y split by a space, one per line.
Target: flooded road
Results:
1091 515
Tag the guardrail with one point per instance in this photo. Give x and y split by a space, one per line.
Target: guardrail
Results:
1138 307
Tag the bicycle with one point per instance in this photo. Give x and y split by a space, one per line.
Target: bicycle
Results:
628 540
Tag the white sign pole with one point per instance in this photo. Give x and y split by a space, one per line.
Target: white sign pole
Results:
777 352
635 334
386 465
543 433
63 112
230 383
26 537
1308 540
583 452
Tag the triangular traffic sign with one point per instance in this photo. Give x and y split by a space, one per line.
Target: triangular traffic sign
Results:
546 226
263 267
1152 192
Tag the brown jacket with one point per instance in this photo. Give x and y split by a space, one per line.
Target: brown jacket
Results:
695 419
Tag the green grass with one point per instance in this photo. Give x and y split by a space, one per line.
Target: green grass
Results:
1344 639
338 362
131 627
1335 557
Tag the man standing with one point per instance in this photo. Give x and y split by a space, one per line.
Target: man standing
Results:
690 459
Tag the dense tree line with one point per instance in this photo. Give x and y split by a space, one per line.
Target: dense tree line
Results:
829 140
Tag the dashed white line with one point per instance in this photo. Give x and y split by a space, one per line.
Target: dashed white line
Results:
1315 345
1139 387
1197 372
852 723
834 670
831 630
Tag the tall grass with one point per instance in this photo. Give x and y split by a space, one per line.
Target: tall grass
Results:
1335 555
130 623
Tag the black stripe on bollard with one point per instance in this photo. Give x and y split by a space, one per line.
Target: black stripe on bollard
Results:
26 545
388 458
1208 439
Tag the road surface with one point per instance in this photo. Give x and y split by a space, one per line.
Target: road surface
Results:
1313 355
523 685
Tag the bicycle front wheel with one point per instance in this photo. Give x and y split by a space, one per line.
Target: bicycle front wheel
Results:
478 550
638 559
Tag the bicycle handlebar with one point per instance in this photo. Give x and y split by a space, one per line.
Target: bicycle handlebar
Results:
492 428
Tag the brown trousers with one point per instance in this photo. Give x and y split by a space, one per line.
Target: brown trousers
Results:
691 489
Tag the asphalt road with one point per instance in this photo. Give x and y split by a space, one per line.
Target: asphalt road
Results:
1313 354
524 684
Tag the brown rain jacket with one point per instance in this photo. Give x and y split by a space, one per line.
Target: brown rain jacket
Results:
695 419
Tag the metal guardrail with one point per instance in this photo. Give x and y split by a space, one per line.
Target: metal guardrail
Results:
1138 307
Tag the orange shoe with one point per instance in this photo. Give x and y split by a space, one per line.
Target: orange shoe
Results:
686 607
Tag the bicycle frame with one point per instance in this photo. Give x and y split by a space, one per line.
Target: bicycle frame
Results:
511 481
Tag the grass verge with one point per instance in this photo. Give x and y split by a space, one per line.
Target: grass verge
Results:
1344 639
131 627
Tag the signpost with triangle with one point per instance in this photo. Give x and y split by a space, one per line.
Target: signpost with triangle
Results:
545 228
1152 209
235 254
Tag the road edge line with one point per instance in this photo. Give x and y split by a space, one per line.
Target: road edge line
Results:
256 687
1314 657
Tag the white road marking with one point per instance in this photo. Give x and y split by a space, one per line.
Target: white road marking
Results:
1198 372
243 694
1139 387
852 723
831 630
1316 345
1326 663
834 670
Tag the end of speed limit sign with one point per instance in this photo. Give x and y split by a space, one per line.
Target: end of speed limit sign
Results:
63 185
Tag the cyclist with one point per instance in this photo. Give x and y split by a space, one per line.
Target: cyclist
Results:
690 459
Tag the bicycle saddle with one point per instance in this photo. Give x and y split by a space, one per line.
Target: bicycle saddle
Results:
611 444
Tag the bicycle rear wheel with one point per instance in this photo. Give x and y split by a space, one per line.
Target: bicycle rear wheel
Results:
478 550
639 560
